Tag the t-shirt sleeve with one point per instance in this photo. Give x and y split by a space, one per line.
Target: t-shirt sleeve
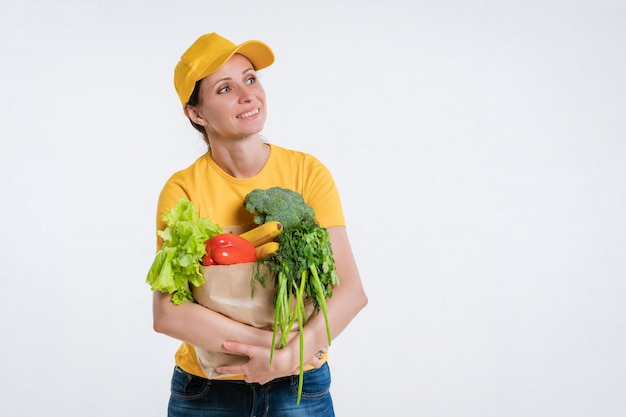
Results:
173 190
323 196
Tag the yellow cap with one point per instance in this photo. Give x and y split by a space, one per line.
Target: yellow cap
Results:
208 53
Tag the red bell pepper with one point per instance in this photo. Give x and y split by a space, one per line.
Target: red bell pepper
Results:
228 249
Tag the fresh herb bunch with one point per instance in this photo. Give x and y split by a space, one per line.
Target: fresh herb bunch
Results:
303 266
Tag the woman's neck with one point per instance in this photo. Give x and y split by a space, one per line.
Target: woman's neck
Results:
242 158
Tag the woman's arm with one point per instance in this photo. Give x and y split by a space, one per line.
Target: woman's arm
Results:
200 326
348 297
347 300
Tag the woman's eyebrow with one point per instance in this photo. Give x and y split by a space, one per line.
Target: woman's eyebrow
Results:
221 79
230 78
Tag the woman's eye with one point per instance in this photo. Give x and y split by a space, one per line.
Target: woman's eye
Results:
223 90
251 80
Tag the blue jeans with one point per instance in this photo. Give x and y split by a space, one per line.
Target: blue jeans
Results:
192 396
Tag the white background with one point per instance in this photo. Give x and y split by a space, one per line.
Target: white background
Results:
479 146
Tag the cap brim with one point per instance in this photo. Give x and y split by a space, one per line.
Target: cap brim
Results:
260 54
257 52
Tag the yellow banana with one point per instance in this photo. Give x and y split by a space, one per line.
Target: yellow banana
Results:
266 249
264 233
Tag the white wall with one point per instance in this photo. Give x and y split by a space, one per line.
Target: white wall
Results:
480 148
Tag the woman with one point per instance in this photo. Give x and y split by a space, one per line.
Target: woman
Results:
217 84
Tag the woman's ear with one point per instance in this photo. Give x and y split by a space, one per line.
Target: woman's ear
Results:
194 115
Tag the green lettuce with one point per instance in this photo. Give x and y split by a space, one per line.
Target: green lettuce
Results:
177 264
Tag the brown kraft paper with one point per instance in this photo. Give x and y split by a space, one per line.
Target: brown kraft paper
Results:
228 289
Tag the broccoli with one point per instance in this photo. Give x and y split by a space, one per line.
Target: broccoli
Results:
303 266
279 204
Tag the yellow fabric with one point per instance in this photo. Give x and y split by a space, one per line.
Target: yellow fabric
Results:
220 196
208 53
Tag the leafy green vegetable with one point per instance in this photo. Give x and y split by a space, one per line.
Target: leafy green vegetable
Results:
279 204
304 266
178 262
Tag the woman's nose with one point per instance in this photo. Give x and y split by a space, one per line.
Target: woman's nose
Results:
245 95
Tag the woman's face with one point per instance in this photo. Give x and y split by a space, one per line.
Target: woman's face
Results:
232 101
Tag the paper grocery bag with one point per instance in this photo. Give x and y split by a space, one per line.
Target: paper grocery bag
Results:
233 291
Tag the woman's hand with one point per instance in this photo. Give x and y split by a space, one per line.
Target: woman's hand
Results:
258 369
347 300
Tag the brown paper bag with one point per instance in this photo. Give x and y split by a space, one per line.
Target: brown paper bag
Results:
228 289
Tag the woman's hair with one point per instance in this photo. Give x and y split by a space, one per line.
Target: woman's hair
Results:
194 100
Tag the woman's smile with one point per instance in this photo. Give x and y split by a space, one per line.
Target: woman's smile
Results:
248 114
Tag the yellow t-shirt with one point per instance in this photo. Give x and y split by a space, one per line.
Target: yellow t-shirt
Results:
219 196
